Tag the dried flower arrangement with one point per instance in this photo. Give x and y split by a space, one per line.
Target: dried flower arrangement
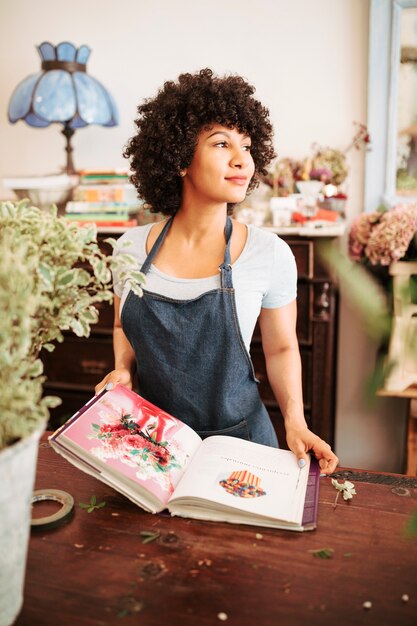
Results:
326 164
384 236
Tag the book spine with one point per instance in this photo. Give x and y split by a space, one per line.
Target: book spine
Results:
311 502
106 193
100 207
102 217
99 223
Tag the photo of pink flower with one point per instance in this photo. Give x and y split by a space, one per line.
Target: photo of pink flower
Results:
125 440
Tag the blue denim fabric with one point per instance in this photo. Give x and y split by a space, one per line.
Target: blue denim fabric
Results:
192 361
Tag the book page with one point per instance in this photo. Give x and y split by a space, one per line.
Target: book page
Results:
133 439
247 476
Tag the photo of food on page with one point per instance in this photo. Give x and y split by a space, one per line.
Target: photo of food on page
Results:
242 484
246 476
137 439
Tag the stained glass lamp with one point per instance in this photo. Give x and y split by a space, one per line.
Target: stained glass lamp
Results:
62 92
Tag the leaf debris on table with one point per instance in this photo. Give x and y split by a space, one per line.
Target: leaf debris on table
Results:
92 505
149 535
323 553
347 489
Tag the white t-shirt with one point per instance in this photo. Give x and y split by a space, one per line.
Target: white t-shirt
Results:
264 275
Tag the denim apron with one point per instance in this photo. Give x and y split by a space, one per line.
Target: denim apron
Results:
191 359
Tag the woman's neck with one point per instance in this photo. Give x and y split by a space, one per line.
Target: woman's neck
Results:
196 223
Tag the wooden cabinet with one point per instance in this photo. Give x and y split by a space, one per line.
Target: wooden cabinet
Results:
76 365
316 331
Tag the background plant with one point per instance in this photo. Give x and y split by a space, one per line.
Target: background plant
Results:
384 236
52 276
326 164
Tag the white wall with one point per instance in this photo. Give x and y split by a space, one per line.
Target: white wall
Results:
308 61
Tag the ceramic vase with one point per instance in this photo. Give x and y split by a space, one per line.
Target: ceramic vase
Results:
17 471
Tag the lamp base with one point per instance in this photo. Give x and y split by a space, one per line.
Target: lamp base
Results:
68 132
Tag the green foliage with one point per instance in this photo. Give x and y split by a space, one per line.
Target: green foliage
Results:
323 553
92 505
361 290
149 536
52 276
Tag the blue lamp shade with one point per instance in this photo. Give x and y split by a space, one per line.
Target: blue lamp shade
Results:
62 92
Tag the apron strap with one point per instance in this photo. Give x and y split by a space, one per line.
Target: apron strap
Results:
156 246
225 268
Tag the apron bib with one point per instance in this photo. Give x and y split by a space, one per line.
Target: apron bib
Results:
191 358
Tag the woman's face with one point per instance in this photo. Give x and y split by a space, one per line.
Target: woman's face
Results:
222 167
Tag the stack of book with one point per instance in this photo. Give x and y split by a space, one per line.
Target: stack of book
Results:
106 198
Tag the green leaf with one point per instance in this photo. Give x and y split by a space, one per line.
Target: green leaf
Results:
111 241
149 536
92 505
35 369
323 553
49 347
51 401
77 327
46 275
66 278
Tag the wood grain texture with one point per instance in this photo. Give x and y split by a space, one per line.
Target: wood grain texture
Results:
96 570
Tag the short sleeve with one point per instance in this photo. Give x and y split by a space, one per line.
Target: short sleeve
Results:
117 283
282 288
132 242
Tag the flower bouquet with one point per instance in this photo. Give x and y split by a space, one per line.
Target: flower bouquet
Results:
326 165
385 241
384 236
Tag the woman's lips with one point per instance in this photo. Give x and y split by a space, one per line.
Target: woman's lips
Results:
237 180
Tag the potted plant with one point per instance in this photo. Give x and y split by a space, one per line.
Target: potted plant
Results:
385 242
52 274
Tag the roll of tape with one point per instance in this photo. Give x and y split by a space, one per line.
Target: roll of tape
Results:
58 518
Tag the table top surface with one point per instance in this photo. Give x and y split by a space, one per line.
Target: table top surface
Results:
96 570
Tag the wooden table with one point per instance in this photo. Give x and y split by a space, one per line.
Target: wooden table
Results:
95 570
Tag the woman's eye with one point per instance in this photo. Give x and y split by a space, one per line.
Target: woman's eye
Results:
247 148
221 144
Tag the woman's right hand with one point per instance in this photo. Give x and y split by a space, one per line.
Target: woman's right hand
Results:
120 376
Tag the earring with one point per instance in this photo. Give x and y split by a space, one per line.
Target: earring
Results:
182 173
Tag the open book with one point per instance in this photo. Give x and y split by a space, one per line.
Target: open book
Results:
159 462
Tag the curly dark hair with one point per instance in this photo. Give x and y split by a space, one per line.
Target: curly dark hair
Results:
168 128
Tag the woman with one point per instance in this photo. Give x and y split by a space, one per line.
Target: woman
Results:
201 145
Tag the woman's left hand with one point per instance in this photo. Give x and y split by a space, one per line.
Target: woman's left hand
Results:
302 440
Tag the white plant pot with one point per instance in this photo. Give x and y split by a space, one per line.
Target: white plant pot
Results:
17 471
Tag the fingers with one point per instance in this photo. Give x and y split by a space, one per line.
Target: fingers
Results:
327 459
120 376
101 384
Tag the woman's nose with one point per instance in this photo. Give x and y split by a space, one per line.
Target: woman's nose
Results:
240 158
